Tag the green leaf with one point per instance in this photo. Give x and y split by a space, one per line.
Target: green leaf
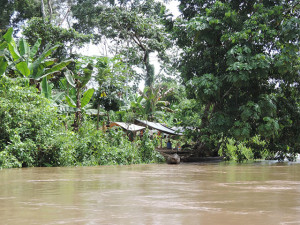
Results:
13 51
8 36
58 96
58 67
93 112
44 55
49 62
63 84
23 68
24 47
70 78
70 102
46 90
3 66
87 75
35 48
87 97
3 45
38 73
49 51
72 93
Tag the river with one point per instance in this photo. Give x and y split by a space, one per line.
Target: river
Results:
201 193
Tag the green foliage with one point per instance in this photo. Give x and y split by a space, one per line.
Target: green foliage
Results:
254 149
134 26
112 77
147 149
66 39
14 12
27 122
31 134
23 61
239 68
74 96
90 147
236 151
149 103
9 161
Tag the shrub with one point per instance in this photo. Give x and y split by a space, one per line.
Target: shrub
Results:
27 122
236 151
31 134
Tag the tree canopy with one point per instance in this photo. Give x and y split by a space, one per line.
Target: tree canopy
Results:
135 26
240 61
229 77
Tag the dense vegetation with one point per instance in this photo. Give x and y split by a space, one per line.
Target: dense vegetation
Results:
229 75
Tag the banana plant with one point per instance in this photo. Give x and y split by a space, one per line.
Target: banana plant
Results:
76 97
152 96
26 61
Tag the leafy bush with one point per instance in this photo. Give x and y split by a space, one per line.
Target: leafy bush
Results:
236 151
27 122
147 149
31 134
8 161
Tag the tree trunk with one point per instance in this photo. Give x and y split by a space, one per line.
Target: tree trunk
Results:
43 10
204 119
77 120
201 147
149 71
50 10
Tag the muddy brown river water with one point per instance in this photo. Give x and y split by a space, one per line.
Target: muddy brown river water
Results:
204 193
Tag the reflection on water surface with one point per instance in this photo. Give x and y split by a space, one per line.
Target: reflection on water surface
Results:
152 194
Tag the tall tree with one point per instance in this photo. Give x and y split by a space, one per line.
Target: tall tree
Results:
110 77
67 39
240 61
12 12
133 25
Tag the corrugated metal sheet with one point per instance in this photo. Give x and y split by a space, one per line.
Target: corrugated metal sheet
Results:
128 126
158 126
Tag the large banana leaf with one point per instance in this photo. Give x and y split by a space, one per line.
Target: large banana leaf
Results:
38 74
49 62
35 48
3 66
73 94
94 112
70 78
87 75
63 84
58 97
70 102
13 51
48 50
8 35
3 45
87 97
46 89
57 67
23 68
24 47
